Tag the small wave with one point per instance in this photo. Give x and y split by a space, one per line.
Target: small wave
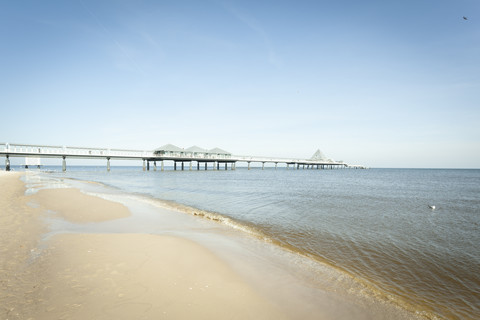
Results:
203 214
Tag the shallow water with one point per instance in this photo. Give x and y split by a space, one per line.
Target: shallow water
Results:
374 225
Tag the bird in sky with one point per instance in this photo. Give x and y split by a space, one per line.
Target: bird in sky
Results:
465 18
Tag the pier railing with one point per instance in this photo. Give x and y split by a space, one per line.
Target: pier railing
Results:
78 152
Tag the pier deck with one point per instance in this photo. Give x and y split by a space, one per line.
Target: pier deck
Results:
42 151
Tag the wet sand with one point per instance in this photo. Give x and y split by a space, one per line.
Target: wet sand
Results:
108 276
75 206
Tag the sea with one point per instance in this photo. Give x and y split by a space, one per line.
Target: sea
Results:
406 237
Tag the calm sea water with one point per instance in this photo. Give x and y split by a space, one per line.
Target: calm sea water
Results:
375 224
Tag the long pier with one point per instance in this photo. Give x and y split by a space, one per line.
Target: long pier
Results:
203 160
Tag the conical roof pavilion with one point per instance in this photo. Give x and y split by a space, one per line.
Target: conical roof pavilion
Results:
319 156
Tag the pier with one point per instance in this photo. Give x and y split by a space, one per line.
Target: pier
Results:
193 157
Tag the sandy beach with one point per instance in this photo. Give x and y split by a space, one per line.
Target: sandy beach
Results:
108 276
20 232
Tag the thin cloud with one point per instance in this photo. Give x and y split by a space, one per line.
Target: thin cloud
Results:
253 24
124 52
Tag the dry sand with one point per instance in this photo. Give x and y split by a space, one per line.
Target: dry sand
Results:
109 276
20 231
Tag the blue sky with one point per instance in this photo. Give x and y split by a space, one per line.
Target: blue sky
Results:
379 83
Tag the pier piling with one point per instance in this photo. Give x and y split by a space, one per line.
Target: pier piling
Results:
7 163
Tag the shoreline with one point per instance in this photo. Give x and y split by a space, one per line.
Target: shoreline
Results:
114 276
112 265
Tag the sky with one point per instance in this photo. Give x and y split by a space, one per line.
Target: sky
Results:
376 83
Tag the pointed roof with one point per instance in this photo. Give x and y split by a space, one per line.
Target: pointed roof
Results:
196 149
218 151
169 147
318 155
